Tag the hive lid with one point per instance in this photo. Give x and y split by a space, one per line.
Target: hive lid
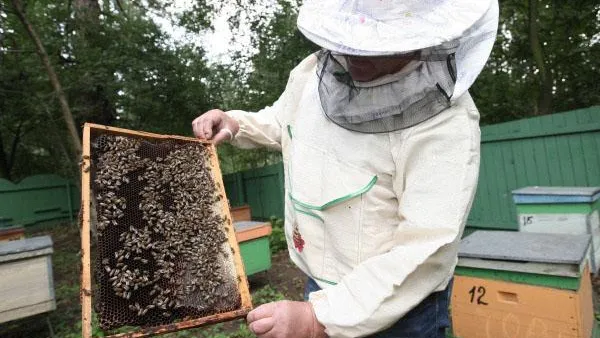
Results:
29 246
556 194
248 230
247 225
525 247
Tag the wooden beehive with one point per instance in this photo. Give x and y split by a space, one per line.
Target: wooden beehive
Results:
165 254
511 284
26 285
12 233
253 238
241 213
561 210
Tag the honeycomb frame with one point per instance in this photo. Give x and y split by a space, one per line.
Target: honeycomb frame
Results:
87 291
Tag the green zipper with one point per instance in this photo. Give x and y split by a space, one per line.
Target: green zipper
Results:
324 281
337 200
289 128
309 213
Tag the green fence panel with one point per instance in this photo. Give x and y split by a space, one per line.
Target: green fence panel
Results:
260 188
234 188
555 150
36 199
264 191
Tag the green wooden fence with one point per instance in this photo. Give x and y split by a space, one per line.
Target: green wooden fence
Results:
261 188
555 150
36 199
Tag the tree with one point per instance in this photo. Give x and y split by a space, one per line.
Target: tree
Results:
115 64
545 59
41 51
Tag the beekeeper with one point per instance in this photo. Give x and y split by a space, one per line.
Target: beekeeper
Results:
380 144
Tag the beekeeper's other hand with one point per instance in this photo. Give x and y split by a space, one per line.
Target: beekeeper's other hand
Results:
285 319
216 126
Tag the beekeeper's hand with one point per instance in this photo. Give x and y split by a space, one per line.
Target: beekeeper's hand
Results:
285 319
216 126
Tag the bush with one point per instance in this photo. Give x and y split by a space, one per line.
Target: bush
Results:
277 238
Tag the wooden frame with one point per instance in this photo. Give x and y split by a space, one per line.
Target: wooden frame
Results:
86 281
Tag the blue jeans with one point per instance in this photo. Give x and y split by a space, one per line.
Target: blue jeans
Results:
427 320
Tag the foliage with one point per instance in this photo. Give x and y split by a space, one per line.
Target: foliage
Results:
255 81
277 240
509 87
117 67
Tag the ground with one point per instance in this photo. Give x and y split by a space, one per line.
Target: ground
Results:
282 281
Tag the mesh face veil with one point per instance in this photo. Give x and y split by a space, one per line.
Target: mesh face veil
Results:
453 39
421 90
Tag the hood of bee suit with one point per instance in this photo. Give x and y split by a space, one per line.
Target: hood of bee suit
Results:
453 40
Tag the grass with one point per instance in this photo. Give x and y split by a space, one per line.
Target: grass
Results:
66 319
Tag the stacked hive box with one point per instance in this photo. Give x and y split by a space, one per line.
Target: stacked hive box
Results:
253 238
564 210
511 284
26 285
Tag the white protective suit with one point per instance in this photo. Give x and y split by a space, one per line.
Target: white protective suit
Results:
381 215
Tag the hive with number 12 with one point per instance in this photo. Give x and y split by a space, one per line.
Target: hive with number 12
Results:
159 252
520 285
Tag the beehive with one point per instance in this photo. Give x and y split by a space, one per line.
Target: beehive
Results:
26 285
561 210
165 256
253 238
520 285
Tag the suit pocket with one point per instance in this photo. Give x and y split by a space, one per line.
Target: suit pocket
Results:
328 191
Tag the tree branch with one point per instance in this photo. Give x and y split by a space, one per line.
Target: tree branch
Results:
64 105
4 171
13 149
120 6
544 105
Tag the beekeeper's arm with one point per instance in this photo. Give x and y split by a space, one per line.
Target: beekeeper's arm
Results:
261 129
242 129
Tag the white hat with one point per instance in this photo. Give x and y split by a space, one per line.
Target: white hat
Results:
387 27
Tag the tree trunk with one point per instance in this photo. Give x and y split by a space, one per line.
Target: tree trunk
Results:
62 99
93 103
87 16
4 169
7 159
13 148
544 105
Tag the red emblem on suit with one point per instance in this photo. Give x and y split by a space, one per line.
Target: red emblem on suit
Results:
298 241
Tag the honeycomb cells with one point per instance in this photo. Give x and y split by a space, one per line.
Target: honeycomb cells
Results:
162 254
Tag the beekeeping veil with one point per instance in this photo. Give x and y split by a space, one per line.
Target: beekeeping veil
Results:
447 41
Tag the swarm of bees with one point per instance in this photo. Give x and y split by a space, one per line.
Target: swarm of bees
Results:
162 253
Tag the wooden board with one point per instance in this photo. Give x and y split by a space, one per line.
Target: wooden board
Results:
12 234
242 213
26 287
86 290
485 308
85 293
28 311
256 231
566 270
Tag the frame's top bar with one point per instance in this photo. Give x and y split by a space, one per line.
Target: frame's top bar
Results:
124 131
